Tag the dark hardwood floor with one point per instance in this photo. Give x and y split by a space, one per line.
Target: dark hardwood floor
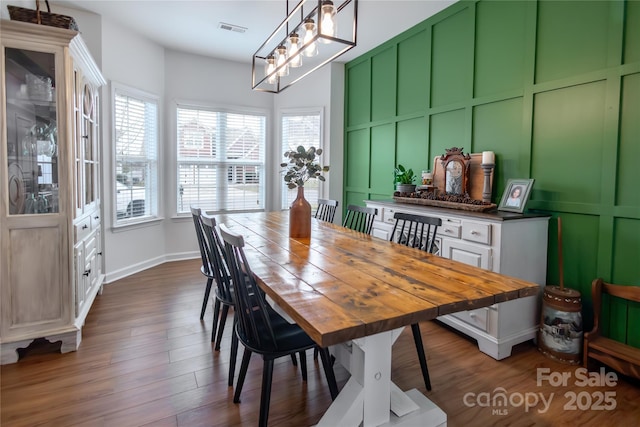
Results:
147 359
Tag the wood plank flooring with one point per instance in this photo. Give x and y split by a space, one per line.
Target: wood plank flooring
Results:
146 360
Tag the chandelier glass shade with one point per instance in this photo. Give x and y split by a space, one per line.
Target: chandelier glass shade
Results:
313 34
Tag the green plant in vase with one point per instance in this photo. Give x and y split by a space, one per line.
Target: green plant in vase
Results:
300 168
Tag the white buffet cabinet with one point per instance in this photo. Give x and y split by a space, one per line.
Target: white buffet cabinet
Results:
507 243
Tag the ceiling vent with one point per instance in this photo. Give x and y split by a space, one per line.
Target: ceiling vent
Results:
231 27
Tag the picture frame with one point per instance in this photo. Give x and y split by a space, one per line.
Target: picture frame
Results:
516 195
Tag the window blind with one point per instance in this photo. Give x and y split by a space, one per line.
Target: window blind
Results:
136 157
220 160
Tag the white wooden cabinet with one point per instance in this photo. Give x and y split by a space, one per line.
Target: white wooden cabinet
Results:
51 246
507 243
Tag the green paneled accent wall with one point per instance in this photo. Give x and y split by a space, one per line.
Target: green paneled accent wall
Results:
413 75
628 189
452 58
383 95
411 143
382 159
571 42
447 129
500 42
359 89
568 129
357 175
552 87
498 128
632 33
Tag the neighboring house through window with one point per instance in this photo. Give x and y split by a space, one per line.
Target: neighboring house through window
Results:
220 157
135 119
301 128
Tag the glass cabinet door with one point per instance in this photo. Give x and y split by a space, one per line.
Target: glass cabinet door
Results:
89 142
32 132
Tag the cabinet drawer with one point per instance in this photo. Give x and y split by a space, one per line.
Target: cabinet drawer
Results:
477 318
449 229
476 232
95 220
387 215
82 228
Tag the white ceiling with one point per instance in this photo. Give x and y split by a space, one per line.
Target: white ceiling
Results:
192 25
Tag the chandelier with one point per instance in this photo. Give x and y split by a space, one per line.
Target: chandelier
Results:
314 33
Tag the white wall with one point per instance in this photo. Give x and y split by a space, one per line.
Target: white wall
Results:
203 81
132 60
317 90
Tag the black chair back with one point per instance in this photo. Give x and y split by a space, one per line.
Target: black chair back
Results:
254 323
216 254
326 210
202 244
360 218
416 231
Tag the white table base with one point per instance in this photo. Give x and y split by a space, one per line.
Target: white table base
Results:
370 398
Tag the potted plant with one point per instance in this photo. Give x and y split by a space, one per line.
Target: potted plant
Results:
301 167
404 179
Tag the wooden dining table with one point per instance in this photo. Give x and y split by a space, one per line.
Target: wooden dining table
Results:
355 293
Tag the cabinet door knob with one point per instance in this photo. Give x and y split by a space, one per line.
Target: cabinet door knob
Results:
84 227
100 253
87 272
96 217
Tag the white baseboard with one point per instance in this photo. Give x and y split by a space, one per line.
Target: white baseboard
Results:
112 276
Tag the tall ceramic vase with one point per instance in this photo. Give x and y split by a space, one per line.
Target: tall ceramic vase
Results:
300 217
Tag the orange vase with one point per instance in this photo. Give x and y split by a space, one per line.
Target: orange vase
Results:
300 217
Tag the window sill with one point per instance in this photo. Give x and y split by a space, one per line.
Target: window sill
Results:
147 222
187 216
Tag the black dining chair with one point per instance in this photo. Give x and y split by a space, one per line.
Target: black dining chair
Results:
206 269
417 231
260 329
326 210
360 218
223 294
224 298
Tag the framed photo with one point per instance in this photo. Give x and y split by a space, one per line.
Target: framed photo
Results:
516 195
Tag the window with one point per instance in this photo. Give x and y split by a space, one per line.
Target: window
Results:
135 119
220 159
301 129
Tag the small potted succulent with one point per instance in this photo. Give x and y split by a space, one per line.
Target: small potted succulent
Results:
405 179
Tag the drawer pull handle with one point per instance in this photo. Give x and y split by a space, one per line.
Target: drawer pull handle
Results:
472 315
448 230
87 272
475 233
84 227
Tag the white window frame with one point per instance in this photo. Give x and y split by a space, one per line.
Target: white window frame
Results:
324 159
152 192
261 164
